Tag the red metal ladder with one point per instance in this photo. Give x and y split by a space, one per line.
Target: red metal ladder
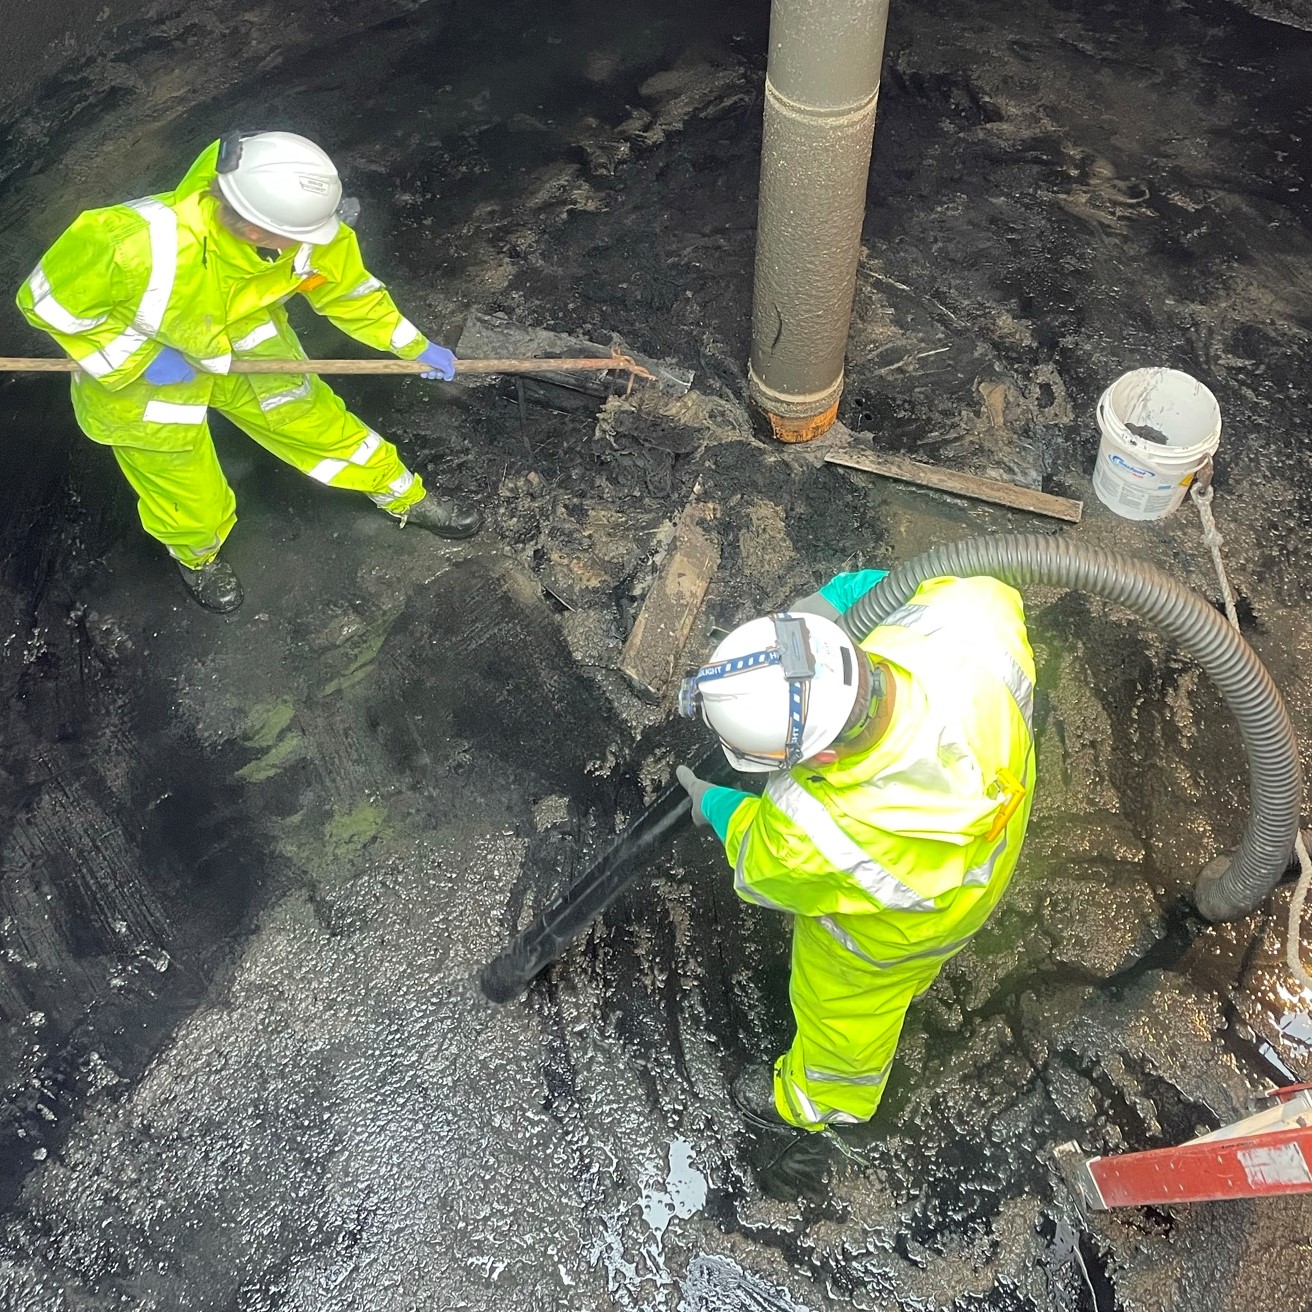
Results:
1261 1156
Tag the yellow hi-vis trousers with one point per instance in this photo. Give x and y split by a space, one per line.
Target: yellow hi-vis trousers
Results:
185 501
849 1015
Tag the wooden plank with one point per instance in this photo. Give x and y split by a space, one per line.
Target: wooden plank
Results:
959 484
652 651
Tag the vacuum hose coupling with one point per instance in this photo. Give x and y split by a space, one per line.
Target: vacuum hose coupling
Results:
1229 886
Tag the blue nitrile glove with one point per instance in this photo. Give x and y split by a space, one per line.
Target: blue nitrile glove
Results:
169 366
442 363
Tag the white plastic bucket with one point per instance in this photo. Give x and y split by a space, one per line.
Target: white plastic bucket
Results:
1138 476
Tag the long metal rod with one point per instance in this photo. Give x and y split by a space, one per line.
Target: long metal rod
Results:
621 363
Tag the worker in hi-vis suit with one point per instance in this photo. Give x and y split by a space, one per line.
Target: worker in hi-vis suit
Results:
155 298
901 773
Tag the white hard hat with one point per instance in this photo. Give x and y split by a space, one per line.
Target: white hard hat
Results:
777 690
282 183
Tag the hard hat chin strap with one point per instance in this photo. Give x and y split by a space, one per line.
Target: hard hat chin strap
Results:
792 652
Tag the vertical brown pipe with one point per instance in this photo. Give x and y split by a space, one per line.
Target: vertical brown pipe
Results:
821 87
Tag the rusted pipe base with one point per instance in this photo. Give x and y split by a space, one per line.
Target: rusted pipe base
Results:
794 416
785 428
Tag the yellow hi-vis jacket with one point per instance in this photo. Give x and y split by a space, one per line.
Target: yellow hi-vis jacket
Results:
905 849
124 281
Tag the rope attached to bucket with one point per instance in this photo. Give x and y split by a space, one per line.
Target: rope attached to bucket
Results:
1201 492
1201 495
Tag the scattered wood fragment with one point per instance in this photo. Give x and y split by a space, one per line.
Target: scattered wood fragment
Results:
652 651
959 484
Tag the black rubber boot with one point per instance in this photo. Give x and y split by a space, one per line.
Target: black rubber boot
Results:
447 519
753 1094
213 586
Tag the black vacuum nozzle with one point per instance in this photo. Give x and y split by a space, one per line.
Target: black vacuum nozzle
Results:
577 906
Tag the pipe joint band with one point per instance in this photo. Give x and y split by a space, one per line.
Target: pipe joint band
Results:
795 416
838 115
792 405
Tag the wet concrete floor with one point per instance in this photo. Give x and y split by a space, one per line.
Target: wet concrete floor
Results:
253 865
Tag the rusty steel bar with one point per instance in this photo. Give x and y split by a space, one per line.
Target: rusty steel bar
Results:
620 363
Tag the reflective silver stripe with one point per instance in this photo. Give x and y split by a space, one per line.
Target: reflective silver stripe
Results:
273 401
399 487
981 874
301 260
799 1102
838 849
149 318
802 1106
171 412
209 549
327 470
1018 684
835 930
45 307
1004 665
217 364
364 452
740 884
256 336
833 1077
404 333
911 616
370 284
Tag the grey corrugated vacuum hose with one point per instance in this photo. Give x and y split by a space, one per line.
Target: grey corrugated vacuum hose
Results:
1228 887
821 88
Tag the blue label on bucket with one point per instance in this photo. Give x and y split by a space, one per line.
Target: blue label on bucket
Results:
1133 470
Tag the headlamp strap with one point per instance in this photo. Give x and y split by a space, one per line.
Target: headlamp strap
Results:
797 689
736 665
792 651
